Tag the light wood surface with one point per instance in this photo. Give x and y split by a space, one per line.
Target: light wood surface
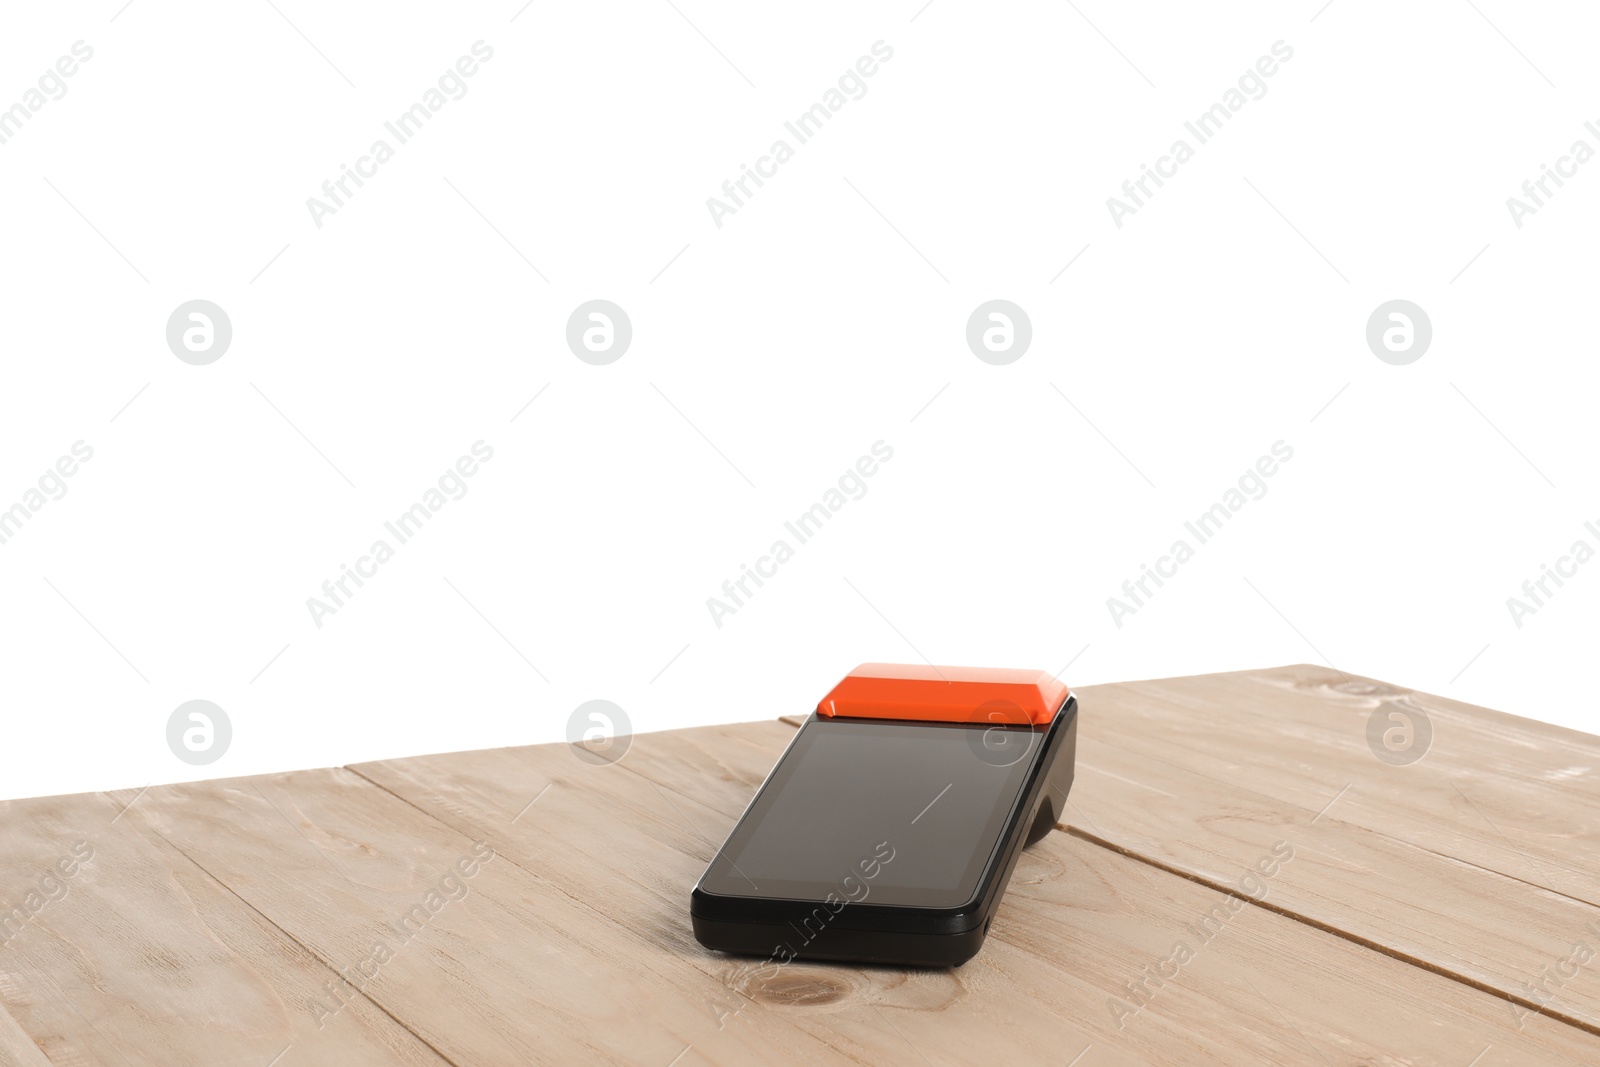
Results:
1438 913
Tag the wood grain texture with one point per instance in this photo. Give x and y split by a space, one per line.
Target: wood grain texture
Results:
139 957
17 1049
505 964
1203 903
608 833
1382 892
1079 922
1504 793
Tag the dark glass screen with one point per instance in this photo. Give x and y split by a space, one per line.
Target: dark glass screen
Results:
909 812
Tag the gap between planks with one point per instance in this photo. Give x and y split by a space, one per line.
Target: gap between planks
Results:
1367 943
1354 938
309 951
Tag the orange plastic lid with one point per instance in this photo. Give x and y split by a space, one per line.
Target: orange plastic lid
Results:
944 694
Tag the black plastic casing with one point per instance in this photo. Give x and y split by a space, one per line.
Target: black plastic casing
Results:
898 934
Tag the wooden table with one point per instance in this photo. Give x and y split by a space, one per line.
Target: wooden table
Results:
533 908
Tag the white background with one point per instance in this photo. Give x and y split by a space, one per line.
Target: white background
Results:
827 314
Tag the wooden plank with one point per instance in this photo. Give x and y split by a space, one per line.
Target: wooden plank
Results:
1405 900
138 957
1493 790
1512 744
1264 988
16 1047
1079 923
1486 742
502 965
